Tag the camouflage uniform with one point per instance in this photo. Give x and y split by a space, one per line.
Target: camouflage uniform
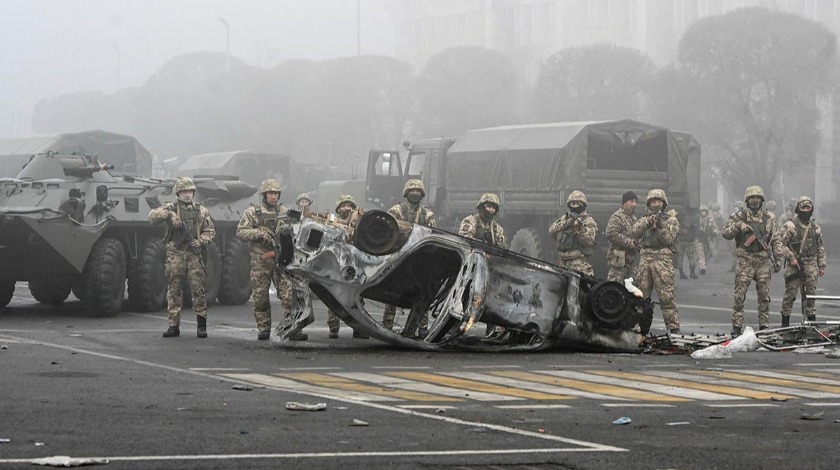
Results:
575 234
706 235
686 241
804 240
658 236
715 244
333 321
753 261
258 223
181 259
622 254
416 214
478 227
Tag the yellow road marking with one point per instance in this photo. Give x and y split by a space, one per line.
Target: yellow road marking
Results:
727 390
340 383
478 386
603 389
769 381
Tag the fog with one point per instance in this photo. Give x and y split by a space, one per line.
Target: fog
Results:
49 48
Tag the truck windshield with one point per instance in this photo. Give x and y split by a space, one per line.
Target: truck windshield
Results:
388 164
416 163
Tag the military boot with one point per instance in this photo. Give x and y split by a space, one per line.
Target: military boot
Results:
811 317
736 331
702 272
785 321
334 333
264 335
202 326
172 332
693 276
682 274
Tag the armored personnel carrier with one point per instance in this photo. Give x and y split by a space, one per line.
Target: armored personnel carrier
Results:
67 224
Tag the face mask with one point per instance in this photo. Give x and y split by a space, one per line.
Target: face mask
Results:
804 215
754 205
185 197
414 199
343 213
577 210
485 216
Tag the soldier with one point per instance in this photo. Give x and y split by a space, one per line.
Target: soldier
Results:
257 226
771 208
189 231
707 232
344 207
410 210
758 248
686 238
303 202
481 226
623 251
575 233
803 237
788 215
657 232
719 221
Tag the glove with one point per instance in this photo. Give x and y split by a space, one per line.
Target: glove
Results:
195 243
174 219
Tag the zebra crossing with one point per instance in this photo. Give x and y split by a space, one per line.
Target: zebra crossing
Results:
558 388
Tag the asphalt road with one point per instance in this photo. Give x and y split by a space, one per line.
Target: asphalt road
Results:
115 389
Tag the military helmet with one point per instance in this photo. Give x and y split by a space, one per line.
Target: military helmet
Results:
576 196
739 205
704 208
303 197
754 191
488 198
343 199
715 207
791 204
802 200
184 184
269 185
770 205
657 194
414 184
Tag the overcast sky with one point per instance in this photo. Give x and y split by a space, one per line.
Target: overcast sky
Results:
52 47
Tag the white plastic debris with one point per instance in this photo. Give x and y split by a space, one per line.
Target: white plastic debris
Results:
5 441
833 354
746 342
358 422
66 461
715 351
298 406
628 284
622 420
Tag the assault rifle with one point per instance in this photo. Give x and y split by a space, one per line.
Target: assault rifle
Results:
282 247
765 245
183 236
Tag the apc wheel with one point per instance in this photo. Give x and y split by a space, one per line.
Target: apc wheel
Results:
7 290
147 278
49 291
211 279
235 288
103 278
78 290
527 242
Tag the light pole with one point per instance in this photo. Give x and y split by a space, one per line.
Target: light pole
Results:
227 42
117 50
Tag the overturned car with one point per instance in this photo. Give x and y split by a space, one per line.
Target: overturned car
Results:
458 282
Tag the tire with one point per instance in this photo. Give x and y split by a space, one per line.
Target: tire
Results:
147 278
78 290
50 291
103 278
235 287
526 241
211 279
7 290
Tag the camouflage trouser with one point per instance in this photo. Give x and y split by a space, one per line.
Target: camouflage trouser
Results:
700 254
333 322
656 270
752 267
620 273
686 249
580 263
180 263
714 248
793 284
391 312
263 273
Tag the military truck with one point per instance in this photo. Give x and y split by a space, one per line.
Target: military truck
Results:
67 224
533 168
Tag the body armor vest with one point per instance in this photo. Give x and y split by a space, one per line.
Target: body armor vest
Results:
811 242
484 234
409 214
568 241
189 215
759 228
268 218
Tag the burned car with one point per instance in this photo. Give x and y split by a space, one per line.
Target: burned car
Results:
458 282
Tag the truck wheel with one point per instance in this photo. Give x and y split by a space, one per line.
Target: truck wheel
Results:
527 242
50 291
235 288
147 278
7 290
103 278
211 280
79 290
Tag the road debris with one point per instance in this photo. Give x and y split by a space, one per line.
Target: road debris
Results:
298 406
812 416
622 420
244 388
778 399
67 461
4 346
358 422
5 441
678 423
